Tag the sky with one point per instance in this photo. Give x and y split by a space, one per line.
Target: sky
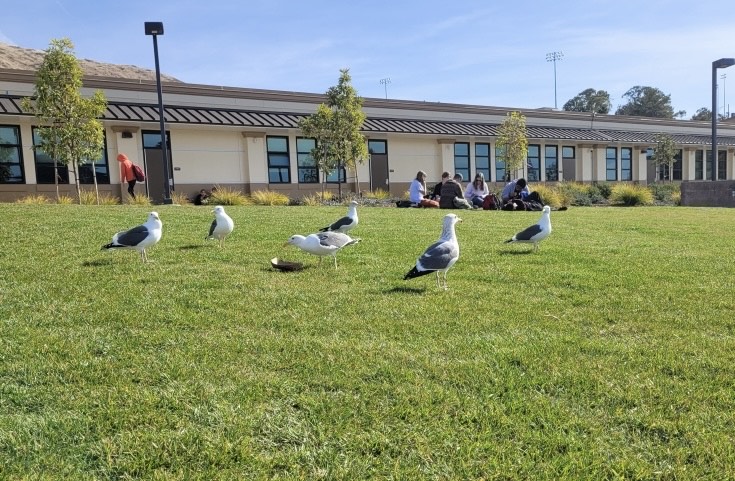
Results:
484 52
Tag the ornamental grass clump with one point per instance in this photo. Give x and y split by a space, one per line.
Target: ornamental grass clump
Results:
228 196
269 197
33 199
630 195
549 195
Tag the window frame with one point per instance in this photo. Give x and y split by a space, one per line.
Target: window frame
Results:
278 169
18 147
533 163
458 169
301 156
482 161
626 164
614 169
555 158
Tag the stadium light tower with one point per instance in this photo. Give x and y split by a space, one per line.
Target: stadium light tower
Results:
553 57
385 82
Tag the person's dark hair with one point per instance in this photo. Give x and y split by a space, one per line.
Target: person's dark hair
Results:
445 175
458 177
419 174
521 183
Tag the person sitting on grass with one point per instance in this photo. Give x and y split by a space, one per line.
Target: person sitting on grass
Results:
417 192
477 190
452 196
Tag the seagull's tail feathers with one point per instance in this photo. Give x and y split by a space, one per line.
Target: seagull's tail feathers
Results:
415 273
111 245
512 239
326 229
353 241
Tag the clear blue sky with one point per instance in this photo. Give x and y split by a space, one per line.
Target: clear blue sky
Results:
455 51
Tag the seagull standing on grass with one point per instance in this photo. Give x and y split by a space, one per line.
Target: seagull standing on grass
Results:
140 237
322 244
221 227
537 232
346 223
439 256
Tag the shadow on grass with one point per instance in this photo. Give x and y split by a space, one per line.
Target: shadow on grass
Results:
191 247
406 290
516 253
97 263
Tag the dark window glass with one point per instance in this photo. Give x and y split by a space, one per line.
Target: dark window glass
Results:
45 165
482 160
152 140
11 160
337 176
533 163
551 161
699 165
721 164
279 170
626 163
500 174
663 170
308 173
611 163
462 159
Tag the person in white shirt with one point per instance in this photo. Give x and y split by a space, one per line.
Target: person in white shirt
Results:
477 190
417 192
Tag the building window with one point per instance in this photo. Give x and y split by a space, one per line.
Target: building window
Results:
11 162
500 174
721 164
551 162
611 163
626 163
379 147
333 178
533 163
568 158
45 164
305 163
462 159
482 160
663 170
699 165
279 169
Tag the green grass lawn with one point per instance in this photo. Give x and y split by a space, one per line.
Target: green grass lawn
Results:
608 354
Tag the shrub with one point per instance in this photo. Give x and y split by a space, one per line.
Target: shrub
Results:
179 198
33 199
269 197
87 197
378 194
631 194
227 196
665 192
605 188
140 199
317 198
573 193
549 195
66 200
676 197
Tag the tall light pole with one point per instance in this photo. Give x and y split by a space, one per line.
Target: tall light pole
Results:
721 63
385 82
155 29
723 76
553 57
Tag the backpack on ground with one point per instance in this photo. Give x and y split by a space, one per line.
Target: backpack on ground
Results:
491 202
138 173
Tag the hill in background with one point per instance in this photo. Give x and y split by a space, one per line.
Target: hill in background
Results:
19 58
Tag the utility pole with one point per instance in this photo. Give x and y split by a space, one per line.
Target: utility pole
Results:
385 82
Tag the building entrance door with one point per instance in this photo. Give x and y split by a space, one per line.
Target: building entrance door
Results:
379 178
153 157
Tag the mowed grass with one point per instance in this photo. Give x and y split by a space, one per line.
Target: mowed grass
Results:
609 354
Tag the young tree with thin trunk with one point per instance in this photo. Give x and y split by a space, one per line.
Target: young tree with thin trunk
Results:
664 153
512 143
336 127
70 132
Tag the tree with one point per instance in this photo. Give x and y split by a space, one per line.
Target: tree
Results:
590 100
665 151
648 102
336 127
70 132
703 114
512 142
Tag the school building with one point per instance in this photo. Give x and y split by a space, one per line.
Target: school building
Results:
248 139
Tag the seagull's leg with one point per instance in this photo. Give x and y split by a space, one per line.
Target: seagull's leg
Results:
446 286
438 283
320 261
143 256
335 261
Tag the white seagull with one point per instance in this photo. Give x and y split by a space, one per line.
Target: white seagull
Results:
221 227
140 237
322 244
346 223
537 232
439 256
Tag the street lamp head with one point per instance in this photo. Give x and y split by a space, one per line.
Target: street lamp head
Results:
723 63
154 28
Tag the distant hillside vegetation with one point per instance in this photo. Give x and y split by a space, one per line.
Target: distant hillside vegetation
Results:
19 58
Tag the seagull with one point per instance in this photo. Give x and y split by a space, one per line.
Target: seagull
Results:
140 237
537 232
221 227
322 244
346 223
439 256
